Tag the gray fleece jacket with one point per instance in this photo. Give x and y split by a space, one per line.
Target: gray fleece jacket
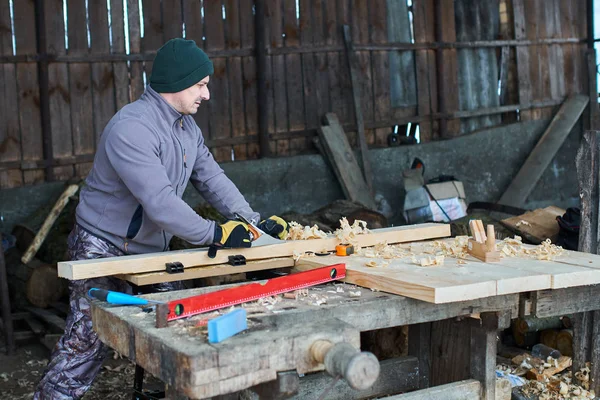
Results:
146 156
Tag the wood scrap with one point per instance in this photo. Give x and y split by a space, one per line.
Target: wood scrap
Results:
48 222
537 225
544 151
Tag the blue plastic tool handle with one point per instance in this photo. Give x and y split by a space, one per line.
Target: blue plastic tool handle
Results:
227 325
116 297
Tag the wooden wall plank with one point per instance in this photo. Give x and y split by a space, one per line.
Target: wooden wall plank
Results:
194 30
29 94
120 69
103 80
172 20
219 107
360 35
10 132
380 68
321 66
153 31
233 40
523 56
249 77
136 81
311 89
344 104
80 87
280 106
423 20
294 79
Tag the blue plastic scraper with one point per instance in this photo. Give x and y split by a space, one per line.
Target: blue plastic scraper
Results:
227 325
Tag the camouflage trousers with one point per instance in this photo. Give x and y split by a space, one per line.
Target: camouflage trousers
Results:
78 355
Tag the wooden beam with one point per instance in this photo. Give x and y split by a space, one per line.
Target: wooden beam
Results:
544 151
356 96
467 389
337 149
140 263
205 272
483 354
587 163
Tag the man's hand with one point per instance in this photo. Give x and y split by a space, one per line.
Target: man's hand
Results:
274 226
232 234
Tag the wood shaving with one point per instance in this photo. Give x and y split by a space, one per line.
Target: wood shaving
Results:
300 232
374 264
354 294
428 261
513 247
523 222
347 233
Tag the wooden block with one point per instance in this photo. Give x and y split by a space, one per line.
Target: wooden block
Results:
480 251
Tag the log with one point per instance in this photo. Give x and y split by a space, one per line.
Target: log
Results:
531 324
49 222
564 342
549 337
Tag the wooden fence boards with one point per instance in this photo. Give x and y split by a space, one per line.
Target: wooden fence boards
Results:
29 92
307 72
10 138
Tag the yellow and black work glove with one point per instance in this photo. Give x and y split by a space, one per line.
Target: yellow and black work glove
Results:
232 234
274 226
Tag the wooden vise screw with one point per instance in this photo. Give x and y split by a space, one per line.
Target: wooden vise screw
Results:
359 369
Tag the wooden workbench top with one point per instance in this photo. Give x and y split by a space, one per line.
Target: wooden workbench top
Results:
278 337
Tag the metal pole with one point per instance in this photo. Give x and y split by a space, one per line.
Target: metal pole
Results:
5 300
261 77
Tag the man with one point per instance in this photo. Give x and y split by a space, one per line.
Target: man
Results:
132 202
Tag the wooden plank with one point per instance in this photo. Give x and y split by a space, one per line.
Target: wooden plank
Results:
219 107
293 68
483 355
49 317
523 59
419 345
156 262
248 41
447 67
423 20
464 390
396 375
80 88
120 69
205 272
29 93
10 133
335 143
194 30
312 94
233 40
153 31
380 67
357 94
172 20
587 161
544 151
550 303
135 47
537 225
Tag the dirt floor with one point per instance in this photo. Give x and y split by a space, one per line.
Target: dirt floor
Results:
20 373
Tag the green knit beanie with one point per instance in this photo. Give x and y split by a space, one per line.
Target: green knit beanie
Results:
179 64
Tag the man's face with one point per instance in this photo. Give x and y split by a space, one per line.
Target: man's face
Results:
188 100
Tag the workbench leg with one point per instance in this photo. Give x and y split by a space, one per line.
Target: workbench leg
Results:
286 385
483 354
586 344
419 345
6 321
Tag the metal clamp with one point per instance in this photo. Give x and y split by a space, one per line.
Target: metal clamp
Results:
174 267
237 260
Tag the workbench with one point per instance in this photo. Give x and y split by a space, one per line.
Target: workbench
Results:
272 358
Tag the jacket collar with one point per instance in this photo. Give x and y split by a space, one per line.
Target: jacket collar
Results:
167 112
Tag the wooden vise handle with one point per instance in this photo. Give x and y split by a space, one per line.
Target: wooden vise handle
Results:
359 369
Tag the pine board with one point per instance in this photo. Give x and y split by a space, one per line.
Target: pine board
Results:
140 263
541 224
452 282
